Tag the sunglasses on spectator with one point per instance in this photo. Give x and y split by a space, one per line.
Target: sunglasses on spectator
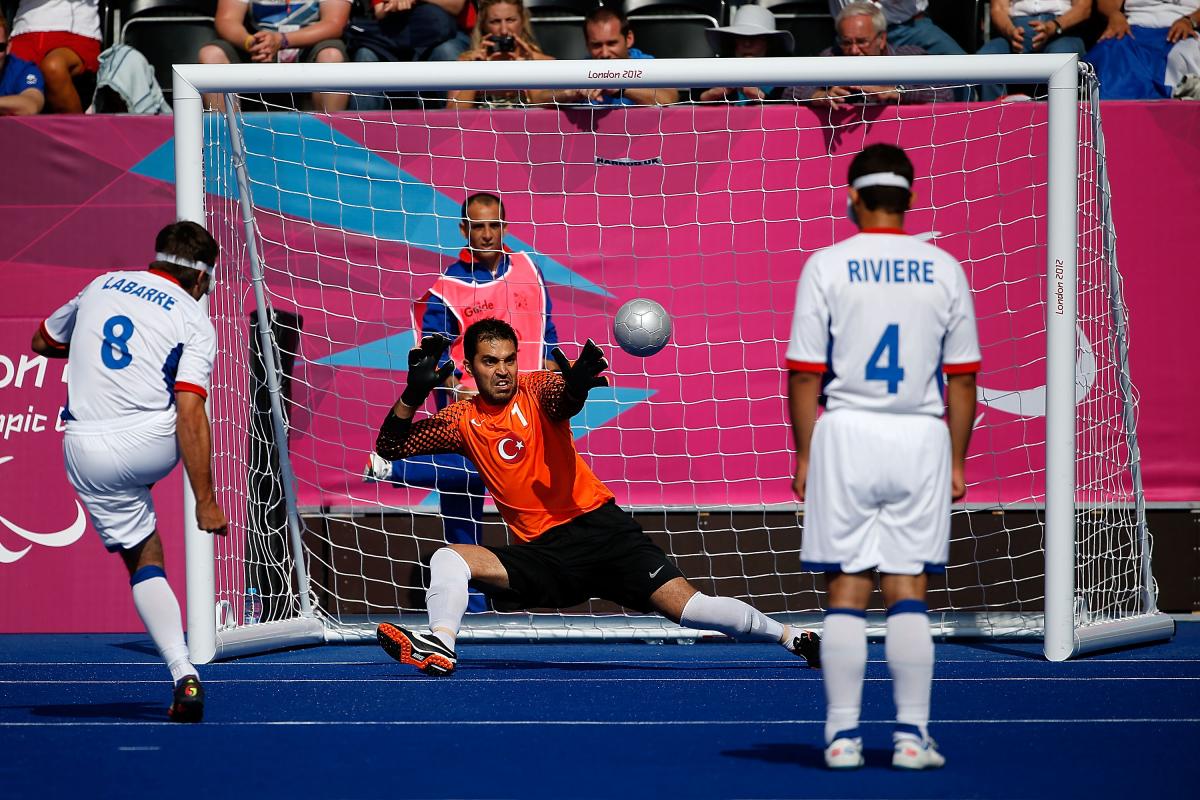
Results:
859 43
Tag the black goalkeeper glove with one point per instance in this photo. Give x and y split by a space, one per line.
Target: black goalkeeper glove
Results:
424 375
583 375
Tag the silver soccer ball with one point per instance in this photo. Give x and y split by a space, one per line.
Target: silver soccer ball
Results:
642 327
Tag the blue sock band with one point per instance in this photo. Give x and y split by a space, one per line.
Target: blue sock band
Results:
909 607
146 573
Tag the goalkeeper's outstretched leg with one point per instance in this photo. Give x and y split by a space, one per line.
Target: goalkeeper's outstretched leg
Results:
532 575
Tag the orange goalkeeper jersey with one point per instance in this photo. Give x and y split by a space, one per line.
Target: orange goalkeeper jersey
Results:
523 450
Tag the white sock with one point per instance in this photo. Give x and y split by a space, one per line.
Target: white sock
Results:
731 617
910 660
446 598
159 610
843 665
789 635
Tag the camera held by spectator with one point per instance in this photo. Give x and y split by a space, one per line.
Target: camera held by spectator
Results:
501 44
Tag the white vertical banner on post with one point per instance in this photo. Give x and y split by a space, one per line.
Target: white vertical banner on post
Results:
1061 226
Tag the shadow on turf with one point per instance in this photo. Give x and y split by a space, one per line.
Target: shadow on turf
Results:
804 755
156 712
1012 650
140 646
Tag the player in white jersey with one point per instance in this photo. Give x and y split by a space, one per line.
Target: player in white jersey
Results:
141 350
880 319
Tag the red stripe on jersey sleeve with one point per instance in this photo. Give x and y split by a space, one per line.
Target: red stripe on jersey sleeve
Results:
50 340
961 369
180 386
805 366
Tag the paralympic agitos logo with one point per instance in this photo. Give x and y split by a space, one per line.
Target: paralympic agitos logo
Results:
61 538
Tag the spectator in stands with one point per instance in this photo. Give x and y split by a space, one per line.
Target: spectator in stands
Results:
609 37
862 31
423 30
410 30
310 31
63 38
1033 26
21 82
503 33
908 24
751 35
1147 47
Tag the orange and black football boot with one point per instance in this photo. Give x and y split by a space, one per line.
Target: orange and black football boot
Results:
187 705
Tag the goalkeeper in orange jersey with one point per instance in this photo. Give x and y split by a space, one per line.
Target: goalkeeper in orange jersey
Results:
576 542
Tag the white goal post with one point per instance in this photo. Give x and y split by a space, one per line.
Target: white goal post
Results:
1066 613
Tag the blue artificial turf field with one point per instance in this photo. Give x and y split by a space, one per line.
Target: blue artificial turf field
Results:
83 716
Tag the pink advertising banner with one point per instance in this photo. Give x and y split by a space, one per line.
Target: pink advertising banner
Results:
699 424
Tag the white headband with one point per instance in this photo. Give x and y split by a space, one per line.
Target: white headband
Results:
183 262
881 179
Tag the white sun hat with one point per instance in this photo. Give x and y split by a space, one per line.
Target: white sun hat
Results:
751 21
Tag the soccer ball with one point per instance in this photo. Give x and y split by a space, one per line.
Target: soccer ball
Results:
642 327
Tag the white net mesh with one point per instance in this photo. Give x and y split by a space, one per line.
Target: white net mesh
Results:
711 210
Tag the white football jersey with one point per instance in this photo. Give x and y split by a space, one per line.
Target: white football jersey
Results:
136 338
884 315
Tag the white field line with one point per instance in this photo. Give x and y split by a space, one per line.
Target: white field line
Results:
596 723
807 677
783 663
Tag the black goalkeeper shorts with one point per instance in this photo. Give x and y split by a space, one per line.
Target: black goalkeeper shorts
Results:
603 553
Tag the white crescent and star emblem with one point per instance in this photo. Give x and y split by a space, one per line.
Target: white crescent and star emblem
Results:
510 449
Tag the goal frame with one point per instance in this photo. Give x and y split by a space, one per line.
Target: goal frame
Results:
1060 73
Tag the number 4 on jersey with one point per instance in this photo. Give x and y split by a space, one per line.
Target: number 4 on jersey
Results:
889 348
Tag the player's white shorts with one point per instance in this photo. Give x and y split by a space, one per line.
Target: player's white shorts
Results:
878 494
112 464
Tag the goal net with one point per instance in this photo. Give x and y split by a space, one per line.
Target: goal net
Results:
332 227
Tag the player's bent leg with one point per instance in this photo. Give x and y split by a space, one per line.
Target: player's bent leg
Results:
112 472
462 517
462 523
147 553
451 568
446 598
909 648
158 609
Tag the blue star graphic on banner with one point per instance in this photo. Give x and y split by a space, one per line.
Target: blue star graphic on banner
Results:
324 176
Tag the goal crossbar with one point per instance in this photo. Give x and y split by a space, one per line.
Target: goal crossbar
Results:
191 79
1059 72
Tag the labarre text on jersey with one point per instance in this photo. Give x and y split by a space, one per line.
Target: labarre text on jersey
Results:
147 293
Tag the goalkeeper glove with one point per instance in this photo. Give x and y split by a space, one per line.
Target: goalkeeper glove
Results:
584 374
424 375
